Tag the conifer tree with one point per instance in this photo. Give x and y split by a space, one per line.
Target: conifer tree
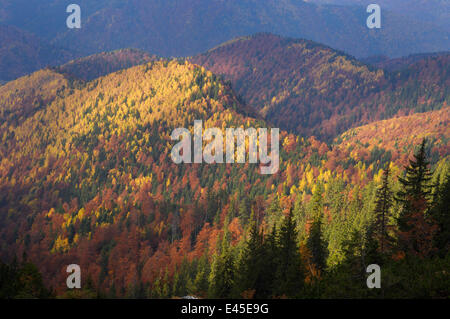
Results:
201 278
222 278
416 231
166 285
383 204
316 204
270 249
317 246
251 263
416 184
289 277
315 242
440 212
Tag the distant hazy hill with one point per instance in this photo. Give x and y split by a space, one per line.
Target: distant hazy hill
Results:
22 53
101 64
431 11
312 89
397 64
187 27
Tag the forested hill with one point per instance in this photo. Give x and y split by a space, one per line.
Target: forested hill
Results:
311 89
86 177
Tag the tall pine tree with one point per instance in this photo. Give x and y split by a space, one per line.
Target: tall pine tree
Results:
315 243
415 230
317 246
382 208
440 212
251 263
289 277
222 277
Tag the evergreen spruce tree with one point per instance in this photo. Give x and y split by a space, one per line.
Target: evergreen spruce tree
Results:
222 278
274 212
201 278
383 203
156 289
269 271
252 263
416 184
440 212
289 276
165 292
316 204
180 279
415 230
315 242
317 246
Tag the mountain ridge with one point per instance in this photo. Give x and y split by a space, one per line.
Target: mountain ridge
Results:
312 89
108 26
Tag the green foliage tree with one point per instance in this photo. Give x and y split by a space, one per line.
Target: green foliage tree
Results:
416 230
252 262
316 244
289 276
440 213
382 209
222 278
416 184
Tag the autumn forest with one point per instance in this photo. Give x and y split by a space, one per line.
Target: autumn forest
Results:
86 176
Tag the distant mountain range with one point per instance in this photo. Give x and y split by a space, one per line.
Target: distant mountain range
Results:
23 53
435 12
189 27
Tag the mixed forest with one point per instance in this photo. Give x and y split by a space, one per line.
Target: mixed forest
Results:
86 177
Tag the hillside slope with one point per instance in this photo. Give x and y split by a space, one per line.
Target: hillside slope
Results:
311 89
86 176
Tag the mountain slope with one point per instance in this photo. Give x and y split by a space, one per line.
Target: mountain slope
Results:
399 136
312 89
23 97
109 137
